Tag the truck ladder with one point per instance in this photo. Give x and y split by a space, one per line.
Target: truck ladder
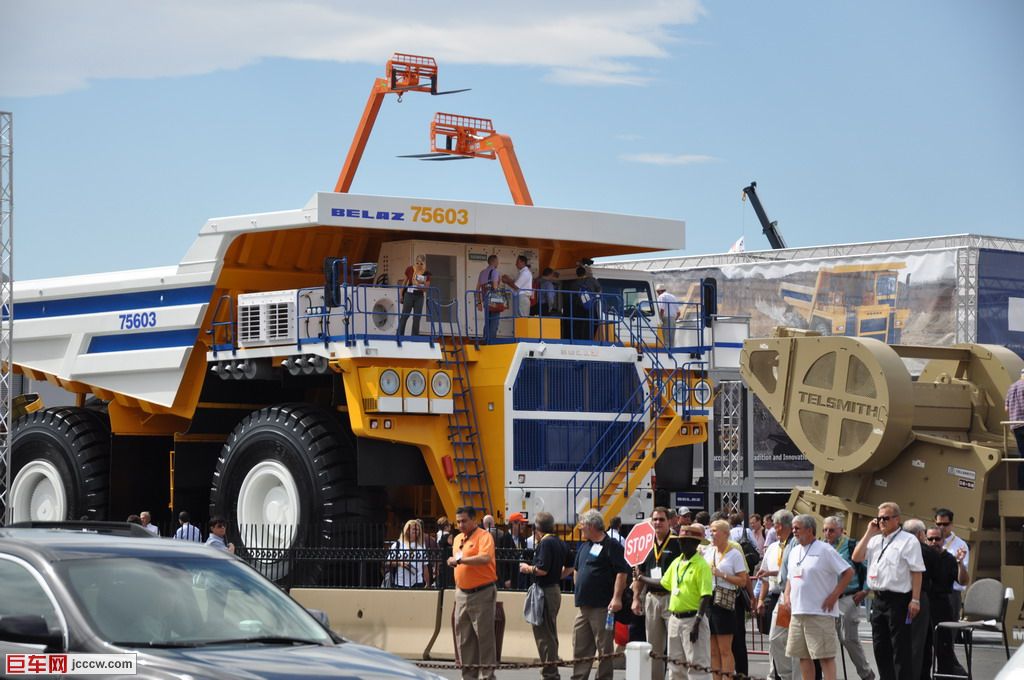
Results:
463 431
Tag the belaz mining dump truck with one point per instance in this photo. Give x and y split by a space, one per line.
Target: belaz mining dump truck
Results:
858 300
309 368
256 378
874 434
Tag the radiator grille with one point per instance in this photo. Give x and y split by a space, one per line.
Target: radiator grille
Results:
249 323
278 320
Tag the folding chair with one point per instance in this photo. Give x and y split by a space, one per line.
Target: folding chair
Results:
985 604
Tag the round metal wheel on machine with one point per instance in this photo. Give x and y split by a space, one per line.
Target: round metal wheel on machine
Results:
60 465
846 403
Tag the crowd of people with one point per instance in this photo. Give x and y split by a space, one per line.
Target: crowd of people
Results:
807 587
186 531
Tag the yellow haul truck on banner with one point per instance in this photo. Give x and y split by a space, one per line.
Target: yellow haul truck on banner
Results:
857 300
306 368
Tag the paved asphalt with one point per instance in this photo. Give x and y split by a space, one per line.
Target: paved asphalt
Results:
989 658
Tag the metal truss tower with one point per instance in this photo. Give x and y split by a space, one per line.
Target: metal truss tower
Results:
6 304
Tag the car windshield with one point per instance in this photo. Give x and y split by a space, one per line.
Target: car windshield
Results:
184 602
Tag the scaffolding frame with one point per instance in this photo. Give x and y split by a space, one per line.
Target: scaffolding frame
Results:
731 484
6 304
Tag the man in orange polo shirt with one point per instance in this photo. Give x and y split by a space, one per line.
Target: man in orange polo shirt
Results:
476 594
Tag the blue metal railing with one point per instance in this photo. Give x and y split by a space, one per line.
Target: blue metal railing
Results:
229 324
651 391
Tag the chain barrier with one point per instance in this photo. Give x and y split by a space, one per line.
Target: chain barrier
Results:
451 665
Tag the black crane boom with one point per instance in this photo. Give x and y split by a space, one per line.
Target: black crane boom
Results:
770 229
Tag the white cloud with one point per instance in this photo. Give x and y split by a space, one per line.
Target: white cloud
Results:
53 46
668 158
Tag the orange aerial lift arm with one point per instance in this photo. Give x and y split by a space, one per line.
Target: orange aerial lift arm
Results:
468 137
403 73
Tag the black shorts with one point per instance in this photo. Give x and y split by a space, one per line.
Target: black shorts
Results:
722 621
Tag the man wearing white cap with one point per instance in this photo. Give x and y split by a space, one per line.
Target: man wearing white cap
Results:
683 518
1015 410
669 310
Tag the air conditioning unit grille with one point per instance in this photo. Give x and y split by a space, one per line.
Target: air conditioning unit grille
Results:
249 323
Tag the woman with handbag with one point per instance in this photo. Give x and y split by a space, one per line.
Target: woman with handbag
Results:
729 571
414 289
407 555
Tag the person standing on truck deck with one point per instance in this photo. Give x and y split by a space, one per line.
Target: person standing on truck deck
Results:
1015 411
186 531
147 523
549 563
522 284
488 282
669 310
650 598
895 572
547 302
600 571
476 594
414 290
218 529
818 576
850 601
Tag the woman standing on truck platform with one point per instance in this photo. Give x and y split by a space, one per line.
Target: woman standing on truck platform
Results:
414 288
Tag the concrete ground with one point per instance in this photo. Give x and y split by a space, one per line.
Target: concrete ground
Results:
989 659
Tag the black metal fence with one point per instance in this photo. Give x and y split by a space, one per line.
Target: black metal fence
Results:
366 556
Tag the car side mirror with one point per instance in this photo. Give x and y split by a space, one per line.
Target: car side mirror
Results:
29 629
645 307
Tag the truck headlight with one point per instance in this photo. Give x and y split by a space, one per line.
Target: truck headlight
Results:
389 381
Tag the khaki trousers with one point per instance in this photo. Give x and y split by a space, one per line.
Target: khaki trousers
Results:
656 620
474 621
589 638
777 638
681 649
546 634
849 620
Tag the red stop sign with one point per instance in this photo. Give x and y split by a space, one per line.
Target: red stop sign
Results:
639 543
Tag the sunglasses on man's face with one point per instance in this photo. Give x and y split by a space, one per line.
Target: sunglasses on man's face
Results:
933 539
884 518
942 524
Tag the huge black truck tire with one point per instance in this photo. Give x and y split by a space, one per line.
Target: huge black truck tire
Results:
286 478
60 465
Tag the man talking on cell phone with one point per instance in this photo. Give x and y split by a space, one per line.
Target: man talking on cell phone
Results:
895 569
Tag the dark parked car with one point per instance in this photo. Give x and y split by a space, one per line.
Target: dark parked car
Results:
186 610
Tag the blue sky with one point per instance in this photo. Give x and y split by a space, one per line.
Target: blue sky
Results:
136 122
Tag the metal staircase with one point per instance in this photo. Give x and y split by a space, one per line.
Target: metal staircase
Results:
463 431
649 428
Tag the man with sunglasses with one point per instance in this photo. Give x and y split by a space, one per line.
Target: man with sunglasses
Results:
650 599
952 544
895 571
947 572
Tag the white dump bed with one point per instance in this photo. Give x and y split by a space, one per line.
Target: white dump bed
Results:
132 332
